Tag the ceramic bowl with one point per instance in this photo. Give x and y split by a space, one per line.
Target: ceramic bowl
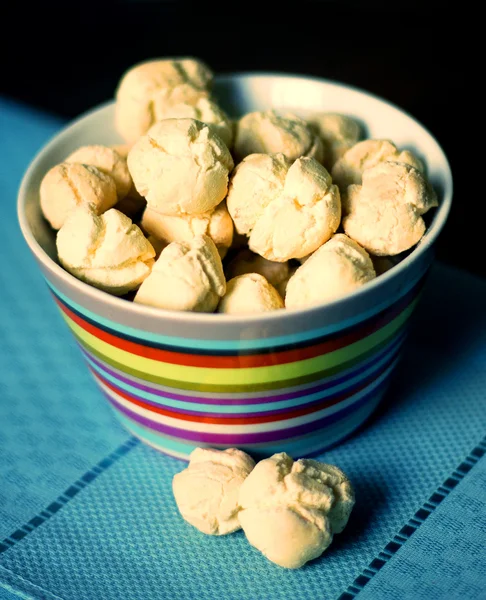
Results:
296 381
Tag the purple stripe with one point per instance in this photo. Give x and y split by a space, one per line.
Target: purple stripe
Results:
260 400
246 438
346 393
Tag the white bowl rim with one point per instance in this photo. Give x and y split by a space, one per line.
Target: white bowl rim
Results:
219 319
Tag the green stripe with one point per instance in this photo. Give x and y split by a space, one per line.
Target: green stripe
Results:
242 388
240 377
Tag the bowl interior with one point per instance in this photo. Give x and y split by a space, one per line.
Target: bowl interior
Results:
239 94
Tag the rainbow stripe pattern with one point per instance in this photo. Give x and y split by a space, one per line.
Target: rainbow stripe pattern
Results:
298 395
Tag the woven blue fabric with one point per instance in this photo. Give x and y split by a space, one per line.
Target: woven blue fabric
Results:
52 426
445 558
6 595
120 535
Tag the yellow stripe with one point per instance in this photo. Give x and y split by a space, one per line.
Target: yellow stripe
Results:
234 377
248 386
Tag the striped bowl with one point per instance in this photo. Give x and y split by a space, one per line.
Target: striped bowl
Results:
295 381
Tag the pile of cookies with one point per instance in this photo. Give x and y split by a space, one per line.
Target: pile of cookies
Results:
289 510
198 212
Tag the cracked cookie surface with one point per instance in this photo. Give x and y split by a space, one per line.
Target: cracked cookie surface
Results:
181 167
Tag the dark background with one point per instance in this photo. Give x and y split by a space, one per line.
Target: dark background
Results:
69 57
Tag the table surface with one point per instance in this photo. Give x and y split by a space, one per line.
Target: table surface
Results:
86 511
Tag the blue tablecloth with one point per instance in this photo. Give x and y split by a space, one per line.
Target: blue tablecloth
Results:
86 511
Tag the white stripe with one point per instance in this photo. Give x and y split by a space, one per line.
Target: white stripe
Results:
296 447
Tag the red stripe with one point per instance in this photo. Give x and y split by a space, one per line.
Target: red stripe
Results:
234 362
231 420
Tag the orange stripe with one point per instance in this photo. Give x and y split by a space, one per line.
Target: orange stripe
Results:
231 362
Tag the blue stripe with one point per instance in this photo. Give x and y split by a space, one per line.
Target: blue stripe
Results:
253 344
200 407
405 300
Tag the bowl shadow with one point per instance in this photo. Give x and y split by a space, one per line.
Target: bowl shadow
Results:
447 329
